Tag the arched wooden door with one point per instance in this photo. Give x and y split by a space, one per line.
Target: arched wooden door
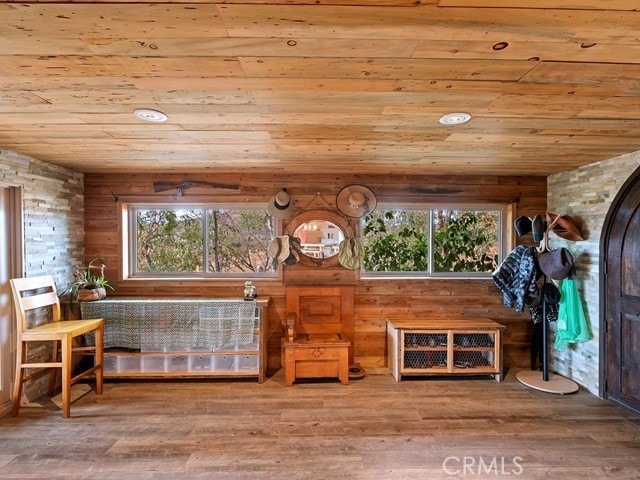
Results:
620 280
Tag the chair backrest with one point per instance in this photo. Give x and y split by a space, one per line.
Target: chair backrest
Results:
34 293
322 309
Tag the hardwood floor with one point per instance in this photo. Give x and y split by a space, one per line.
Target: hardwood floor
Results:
373 428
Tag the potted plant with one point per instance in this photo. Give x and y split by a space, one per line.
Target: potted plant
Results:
88 284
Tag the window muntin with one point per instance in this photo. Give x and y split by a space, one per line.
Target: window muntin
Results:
200 240
454 241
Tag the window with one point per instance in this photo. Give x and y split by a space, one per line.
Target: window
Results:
199 240
456 241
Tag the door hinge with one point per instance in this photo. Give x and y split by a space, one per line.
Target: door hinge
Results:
606 384
605 266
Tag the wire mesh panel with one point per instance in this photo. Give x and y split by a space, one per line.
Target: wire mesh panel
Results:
469 340
155 325
424 350
473 350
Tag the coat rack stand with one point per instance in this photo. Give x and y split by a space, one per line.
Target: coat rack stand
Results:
543 380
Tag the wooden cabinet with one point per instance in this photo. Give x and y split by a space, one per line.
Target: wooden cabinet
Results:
182 338
470 346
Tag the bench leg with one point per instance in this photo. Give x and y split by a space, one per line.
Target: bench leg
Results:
17 383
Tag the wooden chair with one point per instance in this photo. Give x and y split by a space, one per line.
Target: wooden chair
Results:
318 338
38 319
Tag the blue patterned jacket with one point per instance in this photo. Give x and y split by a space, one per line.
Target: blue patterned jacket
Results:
517 277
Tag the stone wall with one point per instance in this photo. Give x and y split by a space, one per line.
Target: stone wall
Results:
53 209
586 194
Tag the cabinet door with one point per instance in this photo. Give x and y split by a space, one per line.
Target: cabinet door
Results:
474 351
424 351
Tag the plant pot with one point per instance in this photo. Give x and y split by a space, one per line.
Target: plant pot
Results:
91 294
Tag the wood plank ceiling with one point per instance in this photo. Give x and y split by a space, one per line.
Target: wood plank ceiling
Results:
336 87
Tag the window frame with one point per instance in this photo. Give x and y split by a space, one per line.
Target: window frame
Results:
128 242
506 214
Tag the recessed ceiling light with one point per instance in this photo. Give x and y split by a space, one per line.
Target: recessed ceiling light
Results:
149 115
455 118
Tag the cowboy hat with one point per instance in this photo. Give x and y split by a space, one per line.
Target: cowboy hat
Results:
280 205
565 227
356 201
556 264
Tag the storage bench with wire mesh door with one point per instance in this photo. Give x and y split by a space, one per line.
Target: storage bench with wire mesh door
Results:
469 346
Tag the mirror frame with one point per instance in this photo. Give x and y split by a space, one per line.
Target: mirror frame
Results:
322 215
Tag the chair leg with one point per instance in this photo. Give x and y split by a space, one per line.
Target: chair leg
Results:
53 372
343 368
67 366
18 381
289 368
98 359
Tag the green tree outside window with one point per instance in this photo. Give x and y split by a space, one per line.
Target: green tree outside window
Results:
463 241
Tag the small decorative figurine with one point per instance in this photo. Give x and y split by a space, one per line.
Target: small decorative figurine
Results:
249 290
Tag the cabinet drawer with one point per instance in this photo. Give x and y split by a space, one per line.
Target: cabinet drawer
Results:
177 363
319 353
128 363
200 363
224 363
110 364
247 363
153 363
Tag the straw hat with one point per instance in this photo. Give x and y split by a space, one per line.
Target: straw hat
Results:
277 250
293 248
280 205
356 201
285 249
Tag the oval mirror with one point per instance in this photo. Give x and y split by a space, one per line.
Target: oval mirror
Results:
320 233
319 238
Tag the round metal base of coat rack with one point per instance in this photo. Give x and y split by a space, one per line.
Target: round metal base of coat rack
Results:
555 384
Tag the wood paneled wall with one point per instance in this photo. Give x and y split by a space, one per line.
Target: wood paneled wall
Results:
376 300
